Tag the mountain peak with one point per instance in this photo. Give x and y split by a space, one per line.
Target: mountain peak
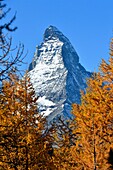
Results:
56 75
52 33
53 28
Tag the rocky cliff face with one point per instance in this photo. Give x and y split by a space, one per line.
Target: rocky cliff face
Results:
57 75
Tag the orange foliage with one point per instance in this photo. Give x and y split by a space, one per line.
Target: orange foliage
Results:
22 130
94 120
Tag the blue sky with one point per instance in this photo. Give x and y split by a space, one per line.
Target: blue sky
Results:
88 24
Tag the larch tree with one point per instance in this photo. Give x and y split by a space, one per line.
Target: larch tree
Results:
65 139
94 120
24 140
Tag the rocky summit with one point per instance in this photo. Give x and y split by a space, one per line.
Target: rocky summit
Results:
56 75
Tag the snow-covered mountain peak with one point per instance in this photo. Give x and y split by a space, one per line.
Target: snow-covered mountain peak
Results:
57 75
52 33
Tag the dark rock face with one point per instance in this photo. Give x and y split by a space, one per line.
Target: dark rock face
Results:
57 75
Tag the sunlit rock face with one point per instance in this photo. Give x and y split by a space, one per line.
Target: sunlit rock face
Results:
56 75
